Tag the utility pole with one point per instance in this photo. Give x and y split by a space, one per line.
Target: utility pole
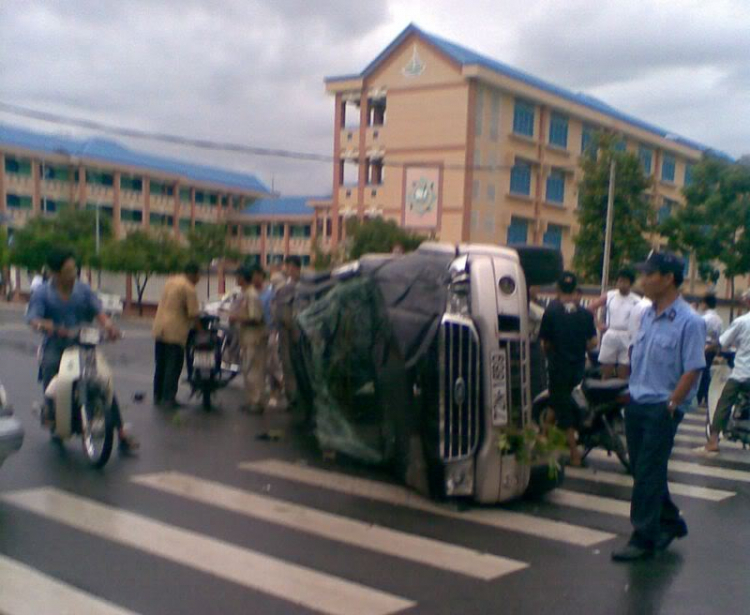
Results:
608 228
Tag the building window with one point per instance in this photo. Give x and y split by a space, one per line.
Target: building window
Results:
620 145
556 187
475 189
520 178
523 118
131 215
491 193
553 236
688 174
251 230
99 178
132 183
300 231
275 230
588 141
17 166
377 112
14 201
274 259
558 130
376 172
645 155
489 223
518 231
104 210
161 189
57 173
495 117
667 168
474 220
213 200
665 211
479 113
305 258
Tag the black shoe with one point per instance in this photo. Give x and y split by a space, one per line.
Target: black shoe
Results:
632 553
676 529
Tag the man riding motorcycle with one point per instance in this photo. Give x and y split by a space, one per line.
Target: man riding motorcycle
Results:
56 308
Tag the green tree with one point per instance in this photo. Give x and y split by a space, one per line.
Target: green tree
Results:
143 254
210 241
714 224
632 212
378 235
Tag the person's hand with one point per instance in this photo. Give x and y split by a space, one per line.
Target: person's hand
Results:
112 332
602 327
46 326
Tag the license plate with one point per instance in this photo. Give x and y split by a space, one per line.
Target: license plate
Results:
499 387
203 360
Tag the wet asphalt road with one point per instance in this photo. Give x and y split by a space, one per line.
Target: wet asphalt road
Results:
150 551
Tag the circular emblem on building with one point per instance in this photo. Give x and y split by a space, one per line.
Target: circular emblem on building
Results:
422 196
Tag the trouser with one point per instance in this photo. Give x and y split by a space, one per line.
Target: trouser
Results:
563 378
168 360
706 378
285 351
254 351
650 431
728 398
50 365
274 368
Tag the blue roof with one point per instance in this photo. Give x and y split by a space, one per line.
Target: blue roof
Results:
464 56
282 206
111 152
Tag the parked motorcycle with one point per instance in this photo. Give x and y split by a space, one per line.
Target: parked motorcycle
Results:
600 406
11 430
212 356
738 425
80 398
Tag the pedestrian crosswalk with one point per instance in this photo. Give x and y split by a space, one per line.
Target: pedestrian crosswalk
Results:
586 513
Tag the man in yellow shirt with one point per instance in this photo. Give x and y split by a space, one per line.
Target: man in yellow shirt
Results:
253 336
176 315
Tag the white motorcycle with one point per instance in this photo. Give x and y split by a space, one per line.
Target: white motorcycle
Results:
11 431
81 397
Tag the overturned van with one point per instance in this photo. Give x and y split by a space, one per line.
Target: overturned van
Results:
423 361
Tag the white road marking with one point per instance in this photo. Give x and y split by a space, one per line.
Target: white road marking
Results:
26 591
695 417
693 468
734 456
315 590
624 480
692 428
585 501
401 496
690 439
424 551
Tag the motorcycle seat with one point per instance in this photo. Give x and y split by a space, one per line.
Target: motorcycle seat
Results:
601 391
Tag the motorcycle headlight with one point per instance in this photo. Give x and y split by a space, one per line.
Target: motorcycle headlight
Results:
459 296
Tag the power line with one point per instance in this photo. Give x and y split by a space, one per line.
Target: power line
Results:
221 146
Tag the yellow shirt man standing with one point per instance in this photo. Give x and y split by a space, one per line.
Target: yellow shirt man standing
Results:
175 316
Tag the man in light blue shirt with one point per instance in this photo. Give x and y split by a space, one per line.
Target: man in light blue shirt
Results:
666 362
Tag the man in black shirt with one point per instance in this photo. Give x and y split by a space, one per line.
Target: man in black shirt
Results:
567 332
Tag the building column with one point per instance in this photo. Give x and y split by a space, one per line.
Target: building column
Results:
337 126
37 191
116 206
287 231
82 196
364 117
469 163
146 223
539 196
3 194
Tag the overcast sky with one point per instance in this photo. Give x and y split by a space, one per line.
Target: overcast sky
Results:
251 71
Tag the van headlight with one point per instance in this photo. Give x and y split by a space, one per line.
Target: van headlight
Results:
459 296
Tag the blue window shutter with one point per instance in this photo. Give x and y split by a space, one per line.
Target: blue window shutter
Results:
667 168
558 130
688 174
646 156
518 231
523 118
520 178
553 236
587 141
556 187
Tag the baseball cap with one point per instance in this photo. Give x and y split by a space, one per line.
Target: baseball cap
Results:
567 282
663 262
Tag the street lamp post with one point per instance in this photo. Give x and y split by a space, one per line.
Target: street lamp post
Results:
608 228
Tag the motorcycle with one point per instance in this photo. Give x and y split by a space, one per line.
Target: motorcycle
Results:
600 405
11 431
79 400
738 425
212 356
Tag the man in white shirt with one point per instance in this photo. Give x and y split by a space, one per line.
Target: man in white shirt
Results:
738 335
714 327
619 305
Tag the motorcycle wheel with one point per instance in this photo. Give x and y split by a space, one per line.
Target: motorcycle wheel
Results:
617 442
97 429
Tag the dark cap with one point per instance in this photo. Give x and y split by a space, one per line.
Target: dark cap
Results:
246 271
567 282
663 262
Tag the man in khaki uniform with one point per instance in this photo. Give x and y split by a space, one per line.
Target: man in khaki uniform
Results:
253 337
176 315
284 319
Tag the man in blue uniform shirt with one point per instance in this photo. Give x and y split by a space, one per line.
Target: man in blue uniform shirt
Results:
667 359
